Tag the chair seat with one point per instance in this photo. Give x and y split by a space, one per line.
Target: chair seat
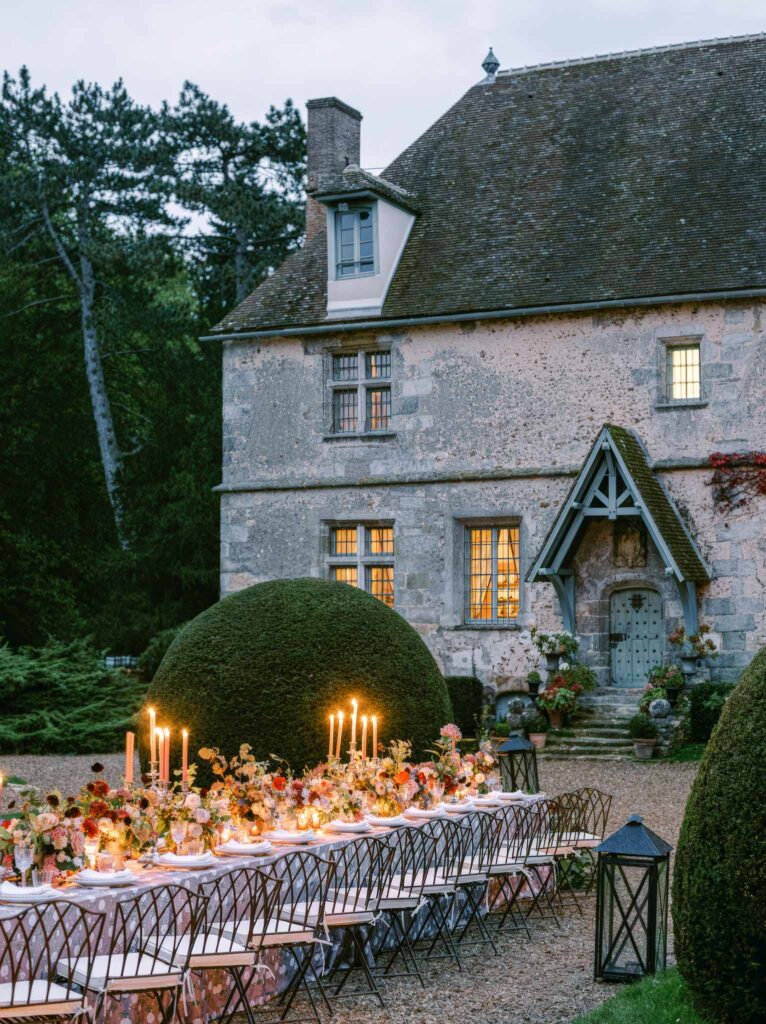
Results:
586 840
37 999
506 867
135 972
209 950
340 910
432 882
274 932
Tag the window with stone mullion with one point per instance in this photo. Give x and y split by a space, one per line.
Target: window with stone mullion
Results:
362 555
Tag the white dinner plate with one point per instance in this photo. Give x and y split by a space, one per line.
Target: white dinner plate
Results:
244 849
26 895
397 822
284 837
186 863
417 812
108 880
353 827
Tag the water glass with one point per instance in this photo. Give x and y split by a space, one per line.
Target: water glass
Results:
178 833
105 862
194 847
24 856
48 875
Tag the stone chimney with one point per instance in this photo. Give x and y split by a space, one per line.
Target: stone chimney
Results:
333 143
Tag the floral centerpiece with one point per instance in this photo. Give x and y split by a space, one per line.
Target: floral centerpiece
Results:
52 827
481 769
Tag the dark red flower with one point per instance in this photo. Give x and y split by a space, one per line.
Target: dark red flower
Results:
90 828
97 768
279 782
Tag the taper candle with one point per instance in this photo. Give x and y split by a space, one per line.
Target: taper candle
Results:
331 751
355 708
364 737
340 735
1 786
375 736
167 754
185 756
129 741
160 751
152 735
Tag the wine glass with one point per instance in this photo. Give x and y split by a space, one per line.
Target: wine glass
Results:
23 855
178 834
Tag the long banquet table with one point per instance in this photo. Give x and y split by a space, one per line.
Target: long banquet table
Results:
207 993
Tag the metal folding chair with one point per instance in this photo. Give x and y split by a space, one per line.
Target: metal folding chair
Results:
32 942
507 870
153 934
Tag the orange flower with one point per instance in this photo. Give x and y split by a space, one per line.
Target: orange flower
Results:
279 783
401 777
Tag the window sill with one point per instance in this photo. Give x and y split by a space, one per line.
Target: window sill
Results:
369 435
514 625
691 403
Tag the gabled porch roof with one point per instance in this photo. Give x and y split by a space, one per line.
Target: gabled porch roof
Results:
617 480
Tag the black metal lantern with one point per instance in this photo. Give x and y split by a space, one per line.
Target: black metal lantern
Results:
631 903
518 764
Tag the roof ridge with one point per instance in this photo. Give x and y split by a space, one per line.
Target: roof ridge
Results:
668 47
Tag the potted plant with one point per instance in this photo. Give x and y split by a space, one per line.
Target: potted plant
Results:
536 728
648 694
693 648
534 682
554 646
501 731
668 678
644 734
557 700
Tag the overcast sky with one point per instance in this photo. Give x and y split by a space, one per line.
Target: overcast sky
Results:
402 63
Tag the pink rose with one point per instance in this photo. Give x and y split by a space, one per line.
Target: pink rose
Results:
59 838
78 843
202 816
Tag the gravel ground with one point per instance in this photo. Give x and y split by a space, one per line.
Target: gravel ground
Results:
547 980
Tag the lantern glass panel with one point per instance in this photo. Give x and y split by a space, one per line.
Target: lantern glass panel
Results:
632 917
518 770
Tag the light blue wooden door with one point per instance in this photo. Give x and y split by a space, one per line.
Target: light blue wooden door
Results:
636 636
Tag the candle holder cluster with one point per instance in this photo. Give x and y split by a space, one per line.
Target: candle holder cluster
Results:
159 755
335 748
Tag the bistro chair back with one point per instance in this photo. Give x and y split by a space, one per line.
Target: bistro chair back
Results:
153 930
451 849
414 855
298 884
233 902
592 817
32 942
362 874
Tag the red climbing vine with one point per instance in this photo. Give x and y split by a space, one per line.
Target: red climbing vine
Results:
737 477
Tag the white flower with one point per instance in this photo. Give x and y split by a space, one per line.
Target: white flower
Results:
564 665
193 801
202 816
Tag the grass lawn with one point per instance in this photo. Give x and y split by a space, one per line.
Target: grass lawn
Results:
689 752
660 1000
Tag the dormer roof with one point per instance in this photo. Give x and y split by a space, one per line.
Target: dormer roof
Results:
355 183
613 180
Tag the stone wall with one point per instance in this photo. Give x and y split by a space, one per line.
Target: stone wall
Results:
491 420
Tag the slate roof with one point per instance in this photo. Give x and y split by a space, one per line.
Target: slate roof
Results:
611 178
654 497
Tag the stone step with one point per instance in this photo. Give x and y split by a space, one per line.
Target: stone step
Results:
569 756
589 741
596 729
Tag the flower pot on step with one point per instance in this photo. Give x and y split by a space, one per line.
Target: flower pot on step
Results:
673 693
555 718
689 663
538 739
644 749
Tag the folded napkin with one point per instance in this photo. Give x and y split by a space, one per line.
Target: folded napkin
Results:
102 877
232 846
16 891
458 808
185 861
348 826
416 812
395 822
281 835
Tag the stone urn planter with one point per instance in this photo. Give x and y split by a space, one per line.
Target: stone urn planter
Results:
538 739
689 663
552 662
644 749
673 692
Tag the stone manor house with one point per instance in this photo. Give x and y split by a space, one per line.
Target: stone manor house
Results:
488 386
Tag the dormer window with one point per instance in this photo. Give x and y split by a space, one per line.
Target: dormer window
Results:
354 240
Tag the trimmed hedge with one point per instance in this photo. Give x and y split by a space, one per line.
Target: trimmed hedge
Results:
719 883
706 702
267 666
467 696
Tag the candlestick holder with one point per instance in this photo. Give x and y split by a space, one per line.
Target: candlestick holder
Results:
154 774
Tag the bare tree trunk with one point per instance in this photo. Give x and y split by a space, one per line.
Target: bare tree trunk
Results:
111 457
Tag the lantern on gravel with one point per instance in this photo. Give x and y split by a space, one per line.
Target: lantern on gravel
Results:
633 872
518 764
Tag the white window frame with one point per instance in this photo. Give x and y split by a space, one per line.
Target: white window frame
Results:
355 208
362 385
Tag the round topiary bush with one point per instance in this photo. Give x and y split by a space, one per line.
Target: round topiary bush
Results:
719 882
268 665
